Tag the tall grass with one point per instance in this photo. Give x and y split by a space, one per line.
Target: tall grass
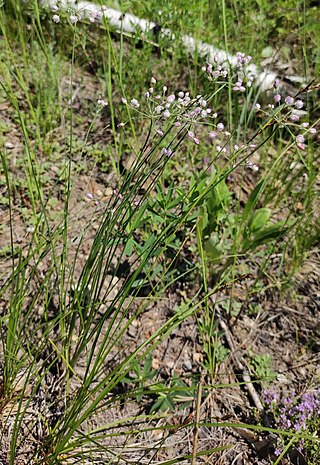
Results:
66 304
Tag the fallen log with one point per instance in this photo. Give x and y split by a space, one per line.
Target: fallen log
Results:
131 24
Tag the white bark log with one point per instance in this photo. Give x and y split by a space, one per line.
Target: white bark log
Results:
131 24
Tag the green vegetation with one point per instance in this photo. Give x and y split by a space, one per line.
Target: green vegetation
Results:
145 192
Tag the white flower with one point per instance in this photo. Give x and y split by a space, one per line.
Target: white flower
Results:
74 19
102 102
134 103
56 19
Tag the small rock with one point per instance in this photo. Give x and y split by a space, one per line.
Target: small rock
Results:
187 365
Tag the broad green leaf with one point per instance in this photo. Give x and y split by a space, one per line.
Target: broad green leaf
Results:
274 231
260 219
212 248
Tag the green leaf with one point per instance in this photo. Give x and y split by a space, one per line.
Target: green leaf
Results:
267 52
128 250
212 247
269 233
203 220
260 219
252 200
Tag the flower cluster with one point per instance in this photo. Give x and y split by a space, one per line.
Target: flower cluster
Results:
214 73
176 110
244 78
243 59
291 110
293 413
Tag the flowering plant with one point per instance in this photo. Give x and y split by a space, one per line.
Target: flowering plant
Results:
297 415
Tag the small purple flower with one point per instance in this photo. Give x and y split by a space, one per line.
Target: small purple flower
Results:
166 114
277 452
312 131
74 19
289 100
197 111
220 126
269 396
221 149
294 117
277 98
89 196
212 134
97 15
171 98
56 19
167 152
299 104
300 139
134 103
